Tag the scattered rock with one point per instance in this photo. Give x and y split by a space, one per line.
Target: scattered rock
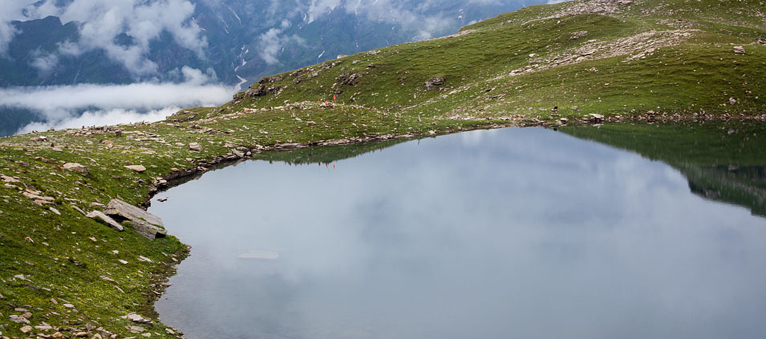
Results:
68 305
194 146
9 179
739 50
596 118
434 83
143 222
26 329
124 262
137 319
137 168
144 259
18 319
107 278
577 35
38 199
100 216
732 101
55 211
79 210
136 329
75 167
238 153
44 327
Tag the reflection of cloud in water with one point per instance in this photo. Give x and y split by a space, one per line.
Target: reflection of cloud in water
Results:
474 139
443 239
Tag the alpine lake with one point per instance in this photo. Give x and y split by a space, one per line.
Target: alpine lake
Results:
617 231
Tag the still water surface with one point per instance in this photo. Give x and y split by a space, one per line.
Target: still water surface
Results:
512 233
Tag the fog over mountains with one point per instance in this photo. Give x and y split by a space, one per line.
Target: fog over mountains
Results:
211 46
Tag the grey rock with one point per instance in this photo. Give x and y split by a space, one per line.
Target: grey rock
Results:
18 319
9 179
596 118
143 222
739 50
44 327
137 319
194 146
75 167
238 153
137 168
26 329
79 210
98 215
136 329
434 83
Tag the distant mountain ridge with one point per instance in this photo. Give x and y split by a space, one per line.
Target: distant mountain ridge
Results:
245 39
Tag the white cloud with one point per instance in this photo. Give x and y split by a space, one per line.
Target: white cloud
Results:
103 118
101 22
43 61
74 105
271 43
9 11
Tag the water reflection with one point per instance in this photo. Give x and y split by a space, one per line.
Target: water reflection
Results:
486 234
723 161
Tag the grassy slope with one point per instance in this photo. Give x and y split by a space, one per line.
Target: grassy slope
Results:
694 73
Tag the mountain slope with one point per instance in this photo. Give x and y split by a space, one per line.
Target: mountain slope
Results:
605 57
582 59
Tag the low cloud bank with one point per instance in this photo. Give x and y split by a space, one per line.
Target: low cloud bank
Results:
88 104
102 118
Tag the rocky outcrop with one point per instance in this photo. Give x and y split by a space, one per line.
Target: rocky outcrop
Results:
349 79
143 222
261 90
434 83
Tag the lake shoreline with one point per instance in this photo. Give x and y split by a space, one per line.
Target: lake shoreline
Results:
24 151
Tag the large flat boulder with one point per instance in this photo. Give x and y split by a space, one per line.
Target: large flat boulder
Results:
98 215
143 222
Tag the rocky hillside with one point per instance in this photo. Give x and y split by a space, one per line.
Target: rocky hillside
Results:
64 274
614 58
